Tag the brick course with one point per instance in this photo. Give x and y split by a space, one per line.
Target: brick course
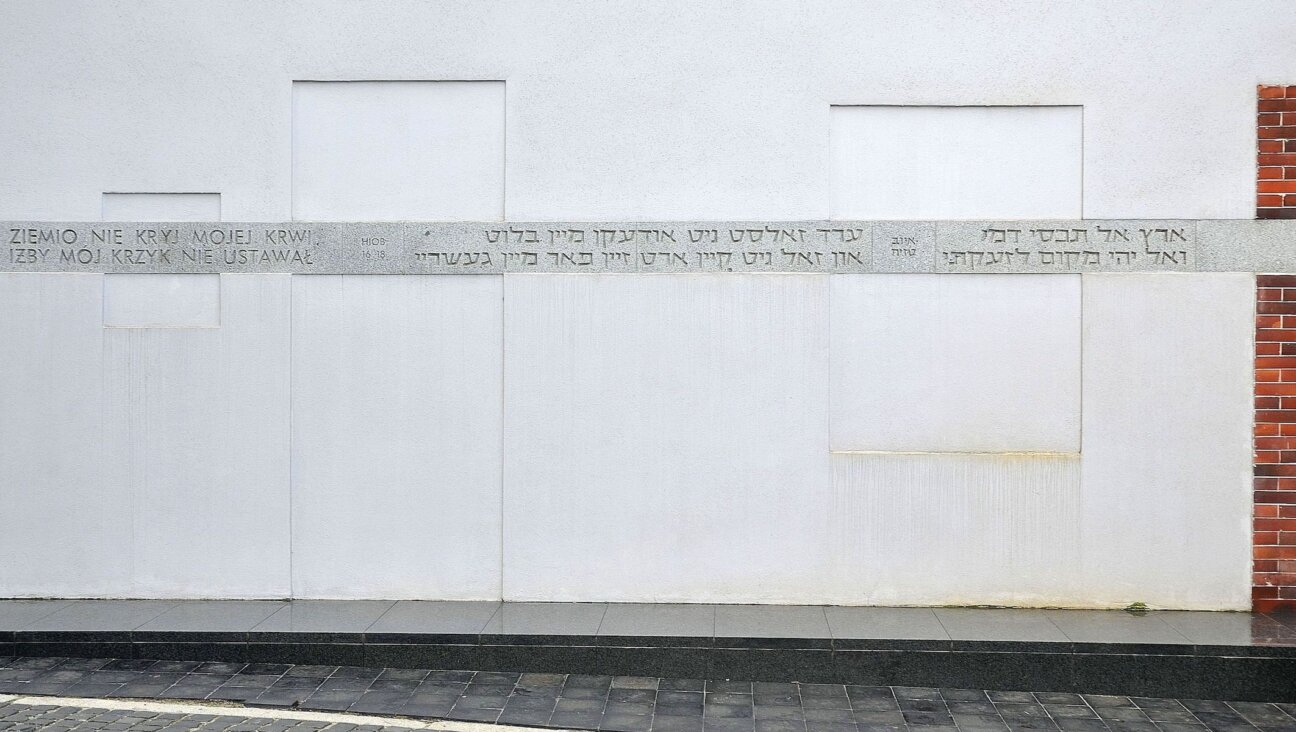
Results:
1273 540
1276 152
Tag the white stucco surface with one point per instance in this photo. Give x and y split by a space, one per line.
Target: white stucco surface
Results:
638 438
143 462
396 437
973 363
196 425
906 162
955 529
161 207
668 110
647 437
161 300
52 443
665 438
1166 509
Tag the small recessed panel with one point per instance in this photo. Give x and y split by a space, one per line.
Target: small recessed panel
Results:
161 300
889 162
398 150
161 207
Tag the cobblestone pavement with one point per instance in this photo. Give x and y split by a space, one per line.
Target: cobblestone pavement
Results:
619 704
55 717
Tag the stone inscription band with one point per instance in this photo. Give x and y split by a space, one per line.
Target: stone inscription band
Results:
640 247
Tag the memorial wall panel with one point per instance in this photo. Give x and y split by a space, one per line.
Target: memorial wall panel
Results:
665 438
1166 454
52 435
396 436
196 430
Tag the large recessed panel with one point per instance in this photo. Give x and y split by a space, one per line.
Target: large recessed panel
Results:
979 363
895 162
666 438
196 427
398 150
396 436
943 529
1167 439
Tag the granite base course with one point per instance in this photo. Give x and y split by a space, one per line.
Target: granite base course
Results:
1217 655
1223 672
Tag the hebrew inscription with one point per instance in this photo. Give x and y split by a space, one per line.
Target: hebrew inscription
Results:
1067 247
577 247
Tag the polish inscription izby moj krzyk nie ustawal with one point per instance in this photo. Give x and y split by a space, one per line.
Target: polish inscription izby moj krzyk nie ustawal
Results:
713 247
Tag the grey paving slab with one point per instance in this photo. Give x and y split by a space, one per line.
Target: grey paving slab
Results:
546 618
771 621
325 616
18 614
214 615
902 623
425 616
1104 626
999 624
103 615
1228 628
1285 617
663 620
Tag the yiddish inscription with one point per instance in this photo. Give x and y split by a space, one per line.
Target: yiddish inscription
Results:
566 247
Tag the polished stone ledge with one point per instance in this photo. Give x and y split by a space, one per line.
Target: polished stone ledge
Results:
676 625
826 247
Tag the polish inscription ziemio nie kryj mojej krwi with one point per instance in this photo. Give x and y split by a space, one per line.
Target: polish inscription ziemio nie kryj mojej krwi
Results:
569 247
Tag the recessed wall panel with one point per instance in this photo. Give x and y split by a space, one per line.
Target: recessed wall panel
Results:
930 162
1167 439
666 438
396 437
966 363
398 150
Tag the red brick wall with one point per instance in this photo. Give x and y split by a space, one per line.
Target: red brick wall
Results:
1274 529
1276 130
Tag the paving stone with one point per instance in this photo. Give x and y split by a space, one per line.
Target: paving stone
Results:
681 685
843 716
671 723
727 725
631 695
583 702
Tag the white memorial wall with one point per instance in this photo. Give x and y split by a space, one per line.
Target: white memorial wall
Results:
1036 439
